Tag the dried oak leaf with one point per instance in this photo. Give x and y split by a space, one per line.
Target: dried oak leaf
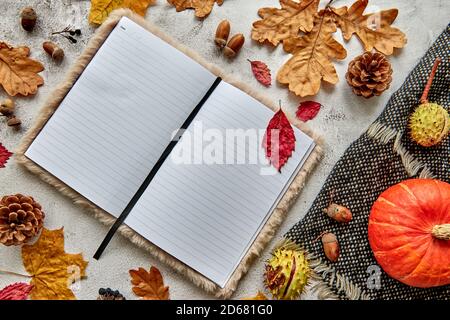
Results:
307 110
280 24
374 30
279 140
259 296
16 291
202 7
100 9
261 72
312 55
51 268
19 73
149 285
4 156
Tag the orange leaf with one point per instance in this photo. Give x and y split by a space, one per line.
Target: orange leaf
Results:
312 55
374 30
19 73
280 24
202 7
259 296
51 268
149 285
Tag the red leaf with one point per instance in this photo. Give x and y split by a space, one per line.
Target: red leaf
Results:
279 140
16 291
261 72
308 110
4 156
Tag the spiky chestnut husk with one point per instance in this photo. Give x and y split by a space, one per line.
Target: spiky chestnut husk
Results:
429 124
287 272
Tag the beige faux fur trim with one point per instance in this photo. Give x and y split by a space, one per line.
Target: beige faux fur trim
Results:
273 222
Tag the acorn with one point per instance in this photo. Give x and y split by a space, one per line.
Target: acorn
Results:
28 18
222 34
234 45
429 124
7 107
338 213
330 246
53 50
14 122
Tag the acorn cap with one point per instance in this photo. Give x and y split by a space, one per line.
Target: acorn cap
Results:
14 122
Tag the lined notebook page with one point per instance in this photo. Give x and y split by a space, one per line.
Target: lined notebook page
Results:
113 125
208 215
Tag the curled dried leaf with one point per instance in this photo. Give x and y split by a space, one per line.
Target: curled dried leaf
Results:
100 9
312 56
202 7
280 24
19 73
374 30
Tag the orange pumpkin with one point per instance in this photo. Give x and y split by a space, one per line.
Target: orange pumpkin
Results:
409 232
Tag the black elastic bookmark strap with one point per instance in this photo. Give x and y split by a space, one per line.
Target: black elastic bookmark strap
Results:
153 172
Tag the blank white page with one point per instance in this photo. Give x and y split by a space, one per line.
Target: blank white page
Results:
207 215
118 118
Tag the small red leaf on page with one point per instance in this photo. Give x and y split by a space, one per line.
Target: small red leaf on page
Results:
4 156
308 110
279 140
16 291
261 72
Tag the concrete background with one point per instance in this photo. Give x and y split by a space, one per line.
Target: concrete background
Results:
343 118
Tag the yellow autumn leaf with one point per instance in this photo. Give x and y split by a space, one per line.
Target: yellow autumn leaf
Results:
280 24
19 73
374 29
312 57
100 9
51 268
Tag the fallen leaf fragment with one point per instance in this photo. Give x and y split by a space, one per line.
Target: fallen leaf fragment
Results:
307 110
100 9
259 296
149 285
202 7
16 291
261 72
280 24
312 56
279 140
19 73
5 154
374 30
51 268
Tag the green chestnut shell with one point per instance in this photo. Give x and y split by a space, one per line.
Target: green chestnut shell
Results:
429 124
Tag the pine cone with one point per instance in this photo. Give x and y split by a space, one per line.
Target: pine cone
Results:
21 219
369 74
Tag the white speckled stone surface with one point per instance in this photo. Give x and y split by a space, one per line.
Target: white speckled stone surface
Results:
343 118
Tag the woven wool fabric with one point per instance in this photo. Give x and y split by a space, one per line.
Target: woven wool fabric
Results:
380 158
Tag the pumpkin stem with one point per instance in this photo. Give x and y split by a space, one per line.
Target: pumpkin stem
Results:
424 98
441 231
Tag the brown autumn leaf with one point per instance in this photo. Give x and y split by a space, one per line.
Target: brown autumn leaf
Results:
51 268
259 296
280 24
149 285
19 73
312 55
374 30
100 9
202 7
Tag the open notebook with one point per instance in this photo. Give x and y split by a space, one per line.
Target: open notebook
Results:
119 117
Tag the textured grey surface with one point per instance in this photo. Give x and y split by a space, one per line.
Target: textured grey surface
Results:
343 118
